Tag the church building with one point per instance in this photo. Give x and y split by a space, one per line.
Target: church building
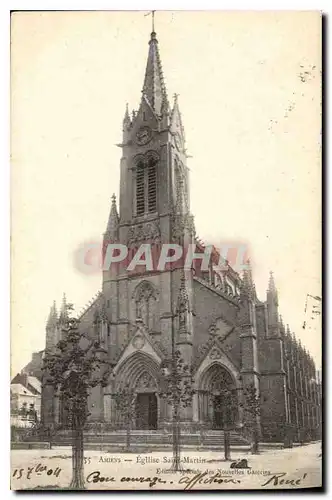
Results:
214 319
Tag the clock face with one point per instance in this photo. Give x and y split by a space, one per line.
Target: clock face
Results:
178 141
143 135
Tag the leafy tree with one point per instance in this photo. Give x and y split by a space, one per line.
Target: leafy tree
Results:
125 401
178 393
251 413
73 368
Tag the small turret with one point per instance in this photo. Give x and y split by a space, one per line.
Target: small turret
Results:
111 233
247 286
52 327
126 120
52 317
64 310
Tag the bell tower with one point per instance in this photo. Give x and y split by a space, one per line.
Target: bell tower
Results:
154 176
154 209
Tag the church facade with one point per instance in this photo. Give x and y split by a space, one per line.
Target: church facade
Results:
213 317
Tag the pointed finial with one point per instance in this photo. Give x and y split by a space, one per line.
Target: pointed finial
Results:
126 118
247 286
64 301
53 315
288 330
64 309
113 221
272 286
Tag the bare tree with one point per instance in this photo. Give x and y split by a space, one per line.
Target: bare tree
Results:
73 368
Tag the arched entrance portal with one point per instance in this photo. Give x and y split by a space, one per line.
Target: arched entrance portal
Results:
218 398
146 411
141 371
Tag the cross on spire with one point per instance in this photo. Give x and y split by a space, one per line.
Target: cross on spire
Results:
152 13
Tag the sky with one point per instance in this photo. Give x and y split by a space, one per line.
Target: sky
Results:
249 86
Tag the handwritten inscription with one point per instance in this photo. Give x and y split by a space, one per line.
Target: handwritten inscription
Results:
201 478
279 479
96 477
38 470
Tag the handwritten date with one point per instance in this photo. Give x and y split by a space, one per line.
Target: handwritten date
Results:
39 469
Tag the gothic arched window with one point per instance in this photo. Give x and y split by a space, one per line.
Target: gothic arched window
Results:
146 185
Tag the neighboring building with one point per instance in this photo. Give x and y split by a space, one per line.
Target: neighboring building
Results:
25 400
215 319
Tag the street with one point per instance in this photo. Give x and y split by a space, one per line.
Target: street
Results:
298 467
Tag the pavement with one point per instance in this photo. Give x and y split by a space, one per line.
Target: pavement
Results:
290 468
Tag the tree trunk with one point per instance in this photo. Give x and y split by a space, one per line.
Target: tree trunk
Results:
254 446
176 466
227 447
77 482
128 435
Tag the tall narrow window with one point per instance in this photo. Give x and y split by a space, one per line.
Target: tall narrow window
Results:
152 185
140 189
146 186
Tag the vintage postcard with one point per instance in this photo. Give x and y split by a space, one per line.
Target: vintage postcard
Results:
166 245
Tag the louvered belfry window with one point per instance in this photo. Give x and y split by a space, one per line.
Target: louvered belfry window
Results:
146 186
140 189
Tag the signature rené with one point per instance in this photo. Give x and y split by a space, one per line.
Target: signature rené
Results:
279 479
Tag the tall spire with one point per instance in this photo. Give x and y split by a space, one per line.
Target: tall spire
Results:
154 90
